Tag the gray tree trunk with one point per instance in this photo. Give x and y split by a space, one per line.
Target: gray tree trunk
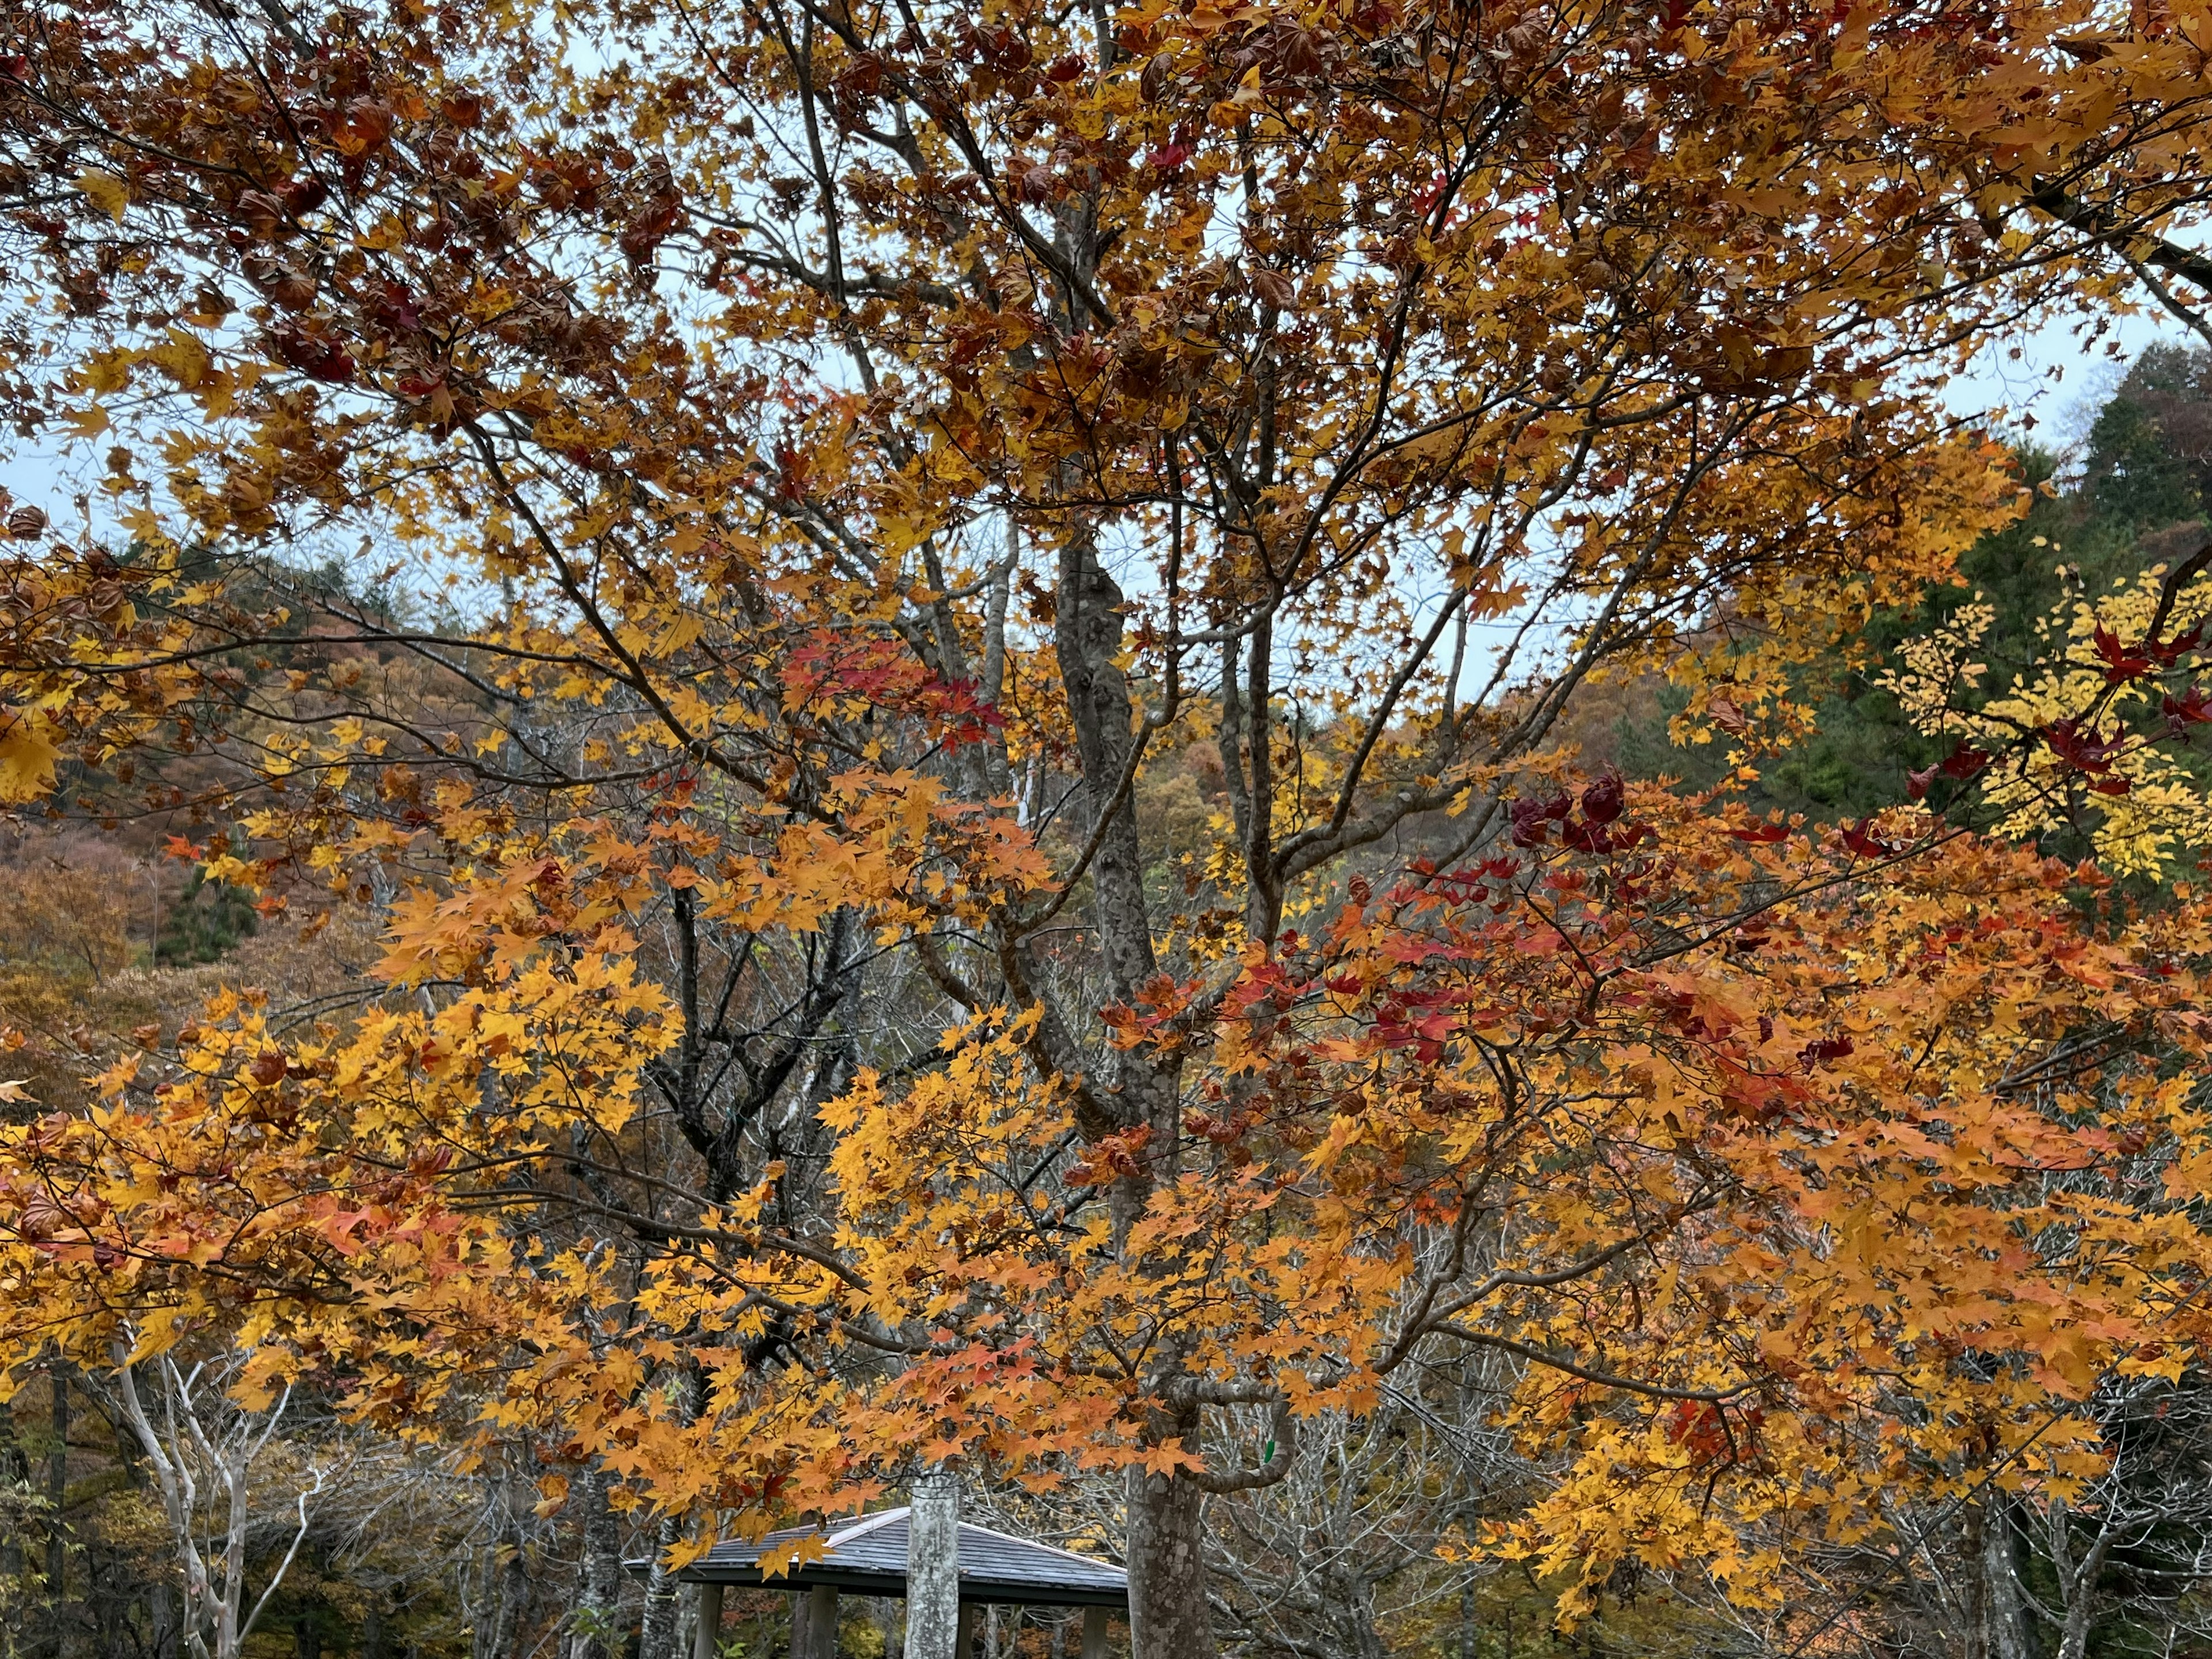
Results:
1995 1614
599 1590
659 1637
57 1500
2009 1635
1168 1618
932 1572
495 1640
504 1587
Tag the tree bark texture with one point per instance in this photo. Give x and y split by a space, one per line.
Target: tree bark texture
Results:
599 1589
1168 1617
932 1572
1169 1614
658 1634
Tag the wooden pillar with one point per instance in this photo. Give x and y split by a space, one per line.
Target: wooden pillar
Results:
965 1646
1094 1633
710 1622
935 1628
814 1622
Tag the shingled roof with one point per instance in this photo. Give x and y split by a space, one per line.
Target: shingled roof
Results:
867 1557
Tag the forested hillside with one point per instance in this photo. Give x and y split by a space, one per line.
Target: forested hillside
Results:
2127 494
1274 782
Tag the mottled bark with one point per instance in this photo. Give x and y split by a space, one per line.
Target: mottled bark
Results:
2011 1636
1997 1614
1087 616
933 1603
507 1592
1169 1616
658 1634
599 1586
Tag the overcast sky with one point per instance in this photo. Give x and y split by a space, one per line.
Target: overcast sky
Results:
2058 379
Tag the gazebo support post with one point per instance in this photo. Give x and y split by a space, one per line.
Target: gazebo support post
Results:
709 1625
821 1624
964 1644
1094 1633
814 1622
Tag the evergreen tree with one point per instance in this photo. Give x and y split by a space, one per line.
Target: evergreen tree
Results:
2139 499
204 924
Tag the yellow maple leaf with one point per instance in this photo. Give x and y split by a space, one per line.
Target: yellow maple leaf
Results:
777 1561
110 194
27 756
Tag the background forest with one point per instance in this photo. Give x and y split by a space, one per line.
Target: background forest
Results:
110 940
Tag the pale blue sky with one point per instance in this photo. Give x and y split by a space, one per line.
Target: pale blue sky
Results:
2057 377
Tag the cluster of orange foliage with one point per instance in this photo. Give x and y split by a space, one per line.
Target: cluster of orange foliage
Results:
839 443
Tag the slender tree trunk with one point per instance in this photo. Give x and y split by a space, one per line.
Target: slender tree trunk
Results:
56 1499
161 1614
599 1591
2078 1574
657 1637
15 1474
505 1587
2010 1637
1996 1617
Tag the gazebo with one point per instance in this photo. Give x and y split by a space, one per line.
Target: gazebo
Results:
870 1556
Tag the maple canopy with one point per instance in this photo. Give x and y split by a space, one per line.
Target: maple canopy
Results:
815 464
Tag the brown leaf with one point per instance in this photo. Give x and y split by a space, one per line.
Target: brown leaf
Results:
1277 289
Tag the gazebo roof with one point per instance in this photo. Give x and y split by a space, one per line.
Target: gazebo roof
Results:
868 1556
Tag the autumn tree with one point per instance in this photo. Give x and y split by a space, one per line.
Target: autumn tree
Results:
829 450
